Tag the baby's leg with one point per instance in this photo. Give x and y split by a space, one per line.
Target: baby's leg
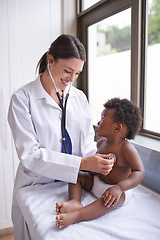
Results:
90 212
85 181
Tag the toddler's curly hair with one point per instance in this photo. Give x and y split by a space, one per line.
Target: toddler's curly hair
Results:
128 113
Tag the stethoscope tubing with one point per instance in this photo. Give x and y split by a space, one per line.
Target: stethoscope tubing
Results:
63 123
63 120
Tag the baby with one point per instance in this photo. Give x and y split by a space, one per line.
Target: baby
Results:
120 120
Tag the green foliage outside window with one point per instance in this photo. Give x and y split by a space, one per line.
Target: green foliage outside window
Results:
120 38
154 23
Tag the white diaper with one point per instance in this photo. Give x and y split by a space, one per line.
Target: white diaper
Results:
100 187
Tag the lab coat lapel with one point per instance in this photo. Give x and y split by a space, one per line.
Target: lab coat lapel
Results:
39 93
51 102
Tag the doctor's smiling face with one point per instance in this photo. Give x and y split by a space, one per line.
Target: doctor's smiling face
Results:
65 71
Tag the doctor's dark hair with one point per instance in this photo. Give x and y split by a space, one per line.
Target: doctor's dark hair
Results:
65 46
127 113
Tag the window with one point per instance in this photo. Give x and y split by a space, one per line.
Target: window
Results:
84 4
151 113
122 39
109 61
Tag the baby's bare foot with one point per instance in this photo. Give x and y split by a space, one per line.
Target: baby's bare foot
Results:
69 206
66 219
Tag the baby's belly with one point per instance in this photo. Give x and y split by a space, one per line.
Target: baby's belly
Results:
116 175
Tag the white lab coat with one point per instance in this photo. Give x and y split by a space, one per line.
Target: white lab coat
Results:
35 121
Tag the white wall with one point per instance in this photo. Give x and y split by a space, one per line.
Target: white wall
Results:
27 28
69 20
6 161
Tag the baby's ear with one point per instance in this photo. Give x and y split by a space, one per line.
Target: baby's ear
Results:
118 127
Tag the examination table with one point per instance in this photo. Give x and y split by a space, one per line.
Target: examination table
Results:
139 219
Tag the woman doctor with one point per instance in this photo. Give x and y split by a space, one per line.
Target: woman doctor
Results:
35 118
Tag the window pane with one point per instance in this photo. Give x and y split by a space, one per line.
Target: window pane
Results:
152 81
88 3
109 44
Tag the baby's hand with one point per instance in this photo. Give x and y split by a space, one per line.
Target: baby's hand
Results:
112 195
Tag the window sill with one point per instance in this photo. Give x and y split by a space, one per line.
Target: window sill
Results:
147 142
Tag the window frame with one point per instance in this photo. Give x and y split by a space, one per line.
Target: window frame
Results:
107 8
144 22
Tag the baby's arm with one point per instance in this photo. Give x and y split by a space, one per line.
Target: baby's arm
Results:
112 195
135 163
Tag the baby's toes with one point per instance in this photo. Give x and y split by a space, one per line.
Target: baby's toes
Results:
58 207
59 222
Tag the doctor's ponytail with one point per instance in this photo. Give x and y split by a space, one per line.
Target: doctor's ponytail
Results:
42 64
64 47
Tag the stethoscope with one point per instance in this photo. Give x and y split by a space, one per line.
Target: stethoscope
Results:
63 120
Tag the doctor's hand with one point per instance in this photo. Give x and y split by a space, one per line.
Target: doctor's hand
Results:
98 163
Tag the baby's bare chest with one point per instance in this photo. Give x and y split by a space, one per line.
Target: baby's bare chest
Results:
117 150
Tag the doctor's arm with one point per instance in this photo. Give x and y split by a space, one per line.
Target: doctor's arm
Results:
40 160
44 161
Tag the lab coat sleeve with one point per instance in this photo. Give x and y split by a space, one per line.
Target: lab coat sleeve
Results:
41 161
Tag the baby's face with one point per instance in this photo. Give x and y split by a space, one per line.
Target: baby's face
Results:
106 125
